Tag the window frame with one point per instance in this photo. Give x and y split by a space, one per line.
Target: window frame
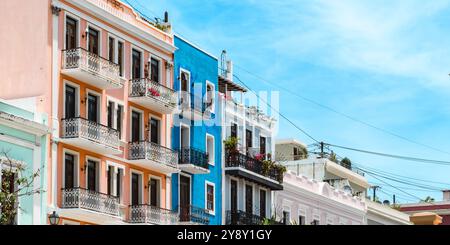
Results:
213 185
210 136
74 17
77 167
212 108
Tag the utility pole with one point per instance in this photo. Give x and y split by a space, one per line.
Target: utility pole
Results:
321 150
375 187
393 199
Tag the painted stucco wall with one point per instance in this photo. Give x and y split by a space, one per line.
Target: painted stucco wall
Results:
202 68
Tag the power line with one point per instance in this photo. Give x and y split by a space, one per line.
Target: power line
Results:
287 119
341 113
438 162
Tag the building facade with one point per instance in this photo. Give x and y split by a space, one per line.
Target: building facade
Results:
441 209
248 185
308 202
197 189
23 150
112 113
381 214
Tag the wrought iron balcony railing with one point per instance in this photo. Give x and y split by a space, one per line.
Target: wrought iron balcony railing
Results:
243 218
194 214
80 58
153 215
90 200
145 150
82 128
237 159
193 156
144 87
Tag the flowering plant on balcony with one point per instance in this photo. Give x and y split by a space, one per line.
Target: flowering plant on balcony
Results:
153 92
259 156
231 144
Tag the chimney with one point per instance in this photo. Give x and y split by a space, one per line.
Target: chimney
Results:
230 70
446 195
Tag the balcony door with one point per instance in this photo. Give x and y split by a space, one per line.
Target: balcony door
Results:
185 198
154 70
135 190
234 196
262 203
135 126
69 171
136 63
93 41
154 130
70 103
154 192
92 181
184 89
93 106
262 145
248 140
248 199
71 33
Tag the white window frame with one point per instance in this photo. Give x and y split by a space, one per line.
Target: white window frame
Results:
208 183
159 194
142 134
183 125
213 99
160 62
142 60
77 97
97 174
213 159
70 15
182 70
116 168
116 103
288 210
99 104
77 167
141 185
123 55
302 213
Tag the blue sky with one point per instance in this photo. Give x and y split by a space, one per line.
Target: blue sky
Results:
383 62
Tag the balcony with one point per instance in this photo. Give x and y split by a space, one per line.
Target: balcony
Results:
193 215
90 136
193 107
91 206
240 165
193 161
91 69
146 214
244 218
152 95
153 156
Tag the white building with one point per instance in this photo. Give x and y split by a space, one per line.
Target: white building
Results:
248 188
308 202
380 214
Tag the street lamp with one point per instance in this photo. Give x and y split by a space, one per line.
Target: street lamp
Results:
54 218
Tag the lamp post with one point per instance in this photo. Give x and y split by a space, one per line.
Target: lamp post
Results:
54 218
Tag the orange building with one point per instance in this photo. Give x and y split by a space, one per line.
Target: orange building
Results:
112 78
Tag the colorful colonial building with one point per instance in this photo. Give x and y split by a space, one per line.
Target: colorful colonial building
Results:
197 189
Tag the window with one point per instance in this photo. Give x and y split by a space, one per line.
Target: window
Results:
70 104
296 154
115 116
111 49
184 89
154 130
262 203
136 64
135 126
114 180
154 192
210 149
286 217
92 173
120 57
93 41
70 171
71 33
234 196
262 145
315 222
154 70
136 188
301 220
210 197
210 96
110 180
110 114
248 138
119 120
249 199
93 107
234 130
119 180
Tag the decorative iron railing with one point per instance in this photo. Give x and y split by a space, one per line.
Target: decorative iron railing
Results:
237 159
153 215
82 128
194 214
91 200
151 151
145 87
193 156
244 218
80 58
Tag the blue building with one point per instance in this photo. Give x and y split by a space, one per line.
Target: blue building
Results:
197 189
